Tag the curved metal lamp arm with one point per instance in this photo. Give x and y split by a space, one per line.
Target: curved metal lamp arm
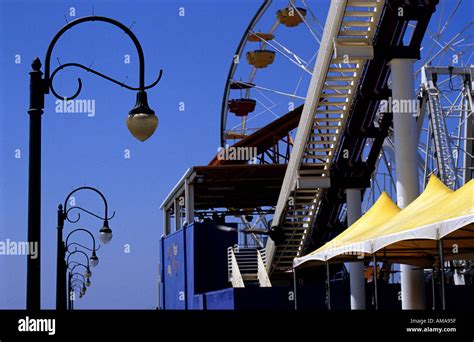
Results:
76 264
78 274
79 81
82 246
82 230
78 251
128 32
77 283
77 280
66 215
66 210
76 287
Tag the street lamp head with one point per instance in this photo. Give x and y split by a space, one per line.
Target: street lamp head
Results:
94 260
105 233
141 120
88 274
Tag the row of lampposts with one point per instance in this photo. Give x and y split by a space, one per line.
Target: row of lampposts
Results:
141 122
65 294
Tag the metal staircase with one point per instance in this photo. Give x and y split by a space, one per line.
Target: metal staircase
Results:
247 267
442 144
345 46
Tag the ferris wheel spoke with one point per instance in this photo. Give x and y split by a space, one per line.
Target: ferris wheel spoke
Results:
288 51
441 13
267 98
315 18
254 86
442 50
306 24
296 61
450 17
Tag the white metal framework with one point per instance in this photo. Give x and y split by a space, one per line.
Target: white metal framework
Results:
345 47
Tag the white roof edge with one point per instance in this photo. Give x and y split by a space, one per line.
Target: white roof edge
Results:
175 189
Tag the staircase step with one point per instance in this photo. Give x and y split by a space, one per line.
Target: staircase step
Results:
328 119
359 14
355 33
329 111
340 78
360 3
356 24
342 69
337 87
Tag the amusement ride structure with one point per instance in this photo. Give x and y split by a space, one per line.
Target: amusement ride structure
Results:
379 99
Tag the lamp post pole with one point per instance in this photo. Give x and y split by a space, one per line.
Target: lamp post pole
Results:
141 122
33 287
60 264
69 301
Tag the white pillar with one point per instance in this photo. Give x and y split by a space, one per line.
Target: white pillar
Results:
356 269
189 201
405 135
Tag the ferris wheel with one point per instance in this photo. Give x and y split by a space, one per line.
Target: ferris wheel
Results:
271 69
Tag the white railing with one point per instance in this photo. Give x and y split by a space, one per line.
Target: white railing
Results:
233 269
262 274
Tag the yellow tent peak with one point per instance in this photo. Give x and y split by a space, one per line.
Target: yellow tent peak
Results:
384 203
434 184
381 211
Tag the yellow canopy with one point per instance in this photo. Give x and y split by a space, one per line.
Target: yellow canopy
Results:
408 235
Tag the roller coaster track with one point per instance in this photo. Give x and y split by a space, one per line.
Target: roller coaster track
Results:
349 79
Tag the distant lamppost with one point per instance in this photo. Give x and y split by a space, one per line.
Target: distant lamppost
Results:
105 235
141 122
77 282
87 275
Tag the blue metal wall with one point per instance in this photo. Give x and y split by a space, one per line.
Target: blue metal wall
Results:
173 272
220 300
201 250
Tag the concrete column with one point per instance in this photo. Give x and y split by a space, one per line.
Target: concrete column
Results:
189 201
405 136
356 269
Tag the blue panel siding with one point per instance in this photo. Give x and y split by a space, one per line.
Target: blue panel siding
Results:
190 262
174 271
220 300
197 303
201 250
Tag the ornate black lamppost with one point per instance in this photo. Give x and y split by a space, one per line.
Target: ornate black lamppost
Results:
141 121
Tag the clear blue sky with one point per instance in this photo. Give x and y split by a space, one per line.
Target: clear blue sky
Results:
194 51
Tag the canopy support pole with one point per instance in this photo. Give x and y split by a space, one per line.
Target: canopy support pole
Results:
376 298
356 269
294 288
441 269
328 284
406 163
433 289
